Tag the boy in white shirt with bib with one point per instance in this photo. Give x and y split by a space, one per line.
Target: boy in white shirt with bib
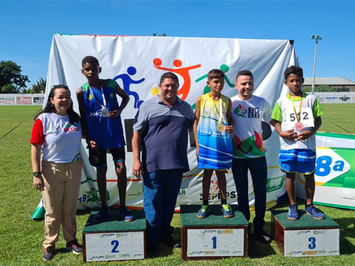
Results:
297 117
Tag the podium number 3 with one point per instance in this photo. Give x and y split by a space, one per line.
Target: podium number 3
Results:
312 241
115 245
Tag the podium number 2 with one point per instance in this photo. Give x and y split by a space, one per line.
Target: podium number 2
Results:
214 239
312 241
115 244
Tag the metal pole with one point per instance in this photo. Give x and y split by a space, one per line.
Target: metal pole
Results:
316 37
314 68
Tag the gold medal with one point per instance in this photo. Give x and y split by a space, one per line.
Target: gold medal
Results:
220 127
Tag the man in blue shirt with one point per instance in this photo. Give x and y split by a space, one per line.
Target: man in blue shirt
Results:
161 131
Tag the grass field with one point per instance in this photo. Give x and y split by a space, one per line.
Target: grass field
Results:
21 239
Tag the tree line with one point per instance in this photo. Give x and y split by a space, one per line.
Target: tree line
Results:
12 81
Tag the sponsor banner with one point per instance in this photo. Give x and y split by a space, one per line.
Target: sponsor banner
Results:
335 97
21 99
335 171
38 100
7 100
24 100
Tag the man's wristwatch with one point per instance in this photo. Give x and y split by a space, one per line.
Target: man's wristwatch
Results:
36 174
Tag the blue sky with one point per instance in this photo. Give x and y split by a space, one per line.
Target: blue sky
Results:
27 27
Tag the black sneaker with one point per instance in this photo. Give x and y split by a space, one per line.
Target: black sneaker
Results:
170 242
126 215
49 253
153 249
262 236
74 247
101 215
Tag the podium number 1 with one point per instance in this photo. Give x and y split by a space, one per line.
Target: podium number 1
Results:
312 241
214 239
115 244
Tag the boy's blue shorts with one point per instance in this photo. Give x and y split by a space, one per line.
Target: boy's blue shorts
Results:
297 160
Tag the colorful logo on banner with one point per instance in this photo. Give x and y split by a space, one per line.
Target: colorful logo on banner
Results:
215 191
207 89
335 167
275 183
183 72
127 81
225 69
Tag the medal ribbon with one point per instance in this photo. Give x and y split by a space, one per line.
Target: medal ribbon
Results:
103 97
294 108
220 109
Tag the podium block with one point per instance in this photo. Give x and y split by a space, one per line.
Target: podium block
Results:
114 239
306 236
214 237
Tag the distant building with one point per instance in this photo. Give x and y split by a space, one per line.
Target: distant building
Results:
338 84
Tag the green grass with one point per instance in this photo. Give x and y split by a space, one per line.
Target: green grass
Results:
21 238
337 118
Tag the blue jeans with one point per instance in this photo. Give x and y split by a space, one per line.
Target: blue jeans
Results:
258 171
160 191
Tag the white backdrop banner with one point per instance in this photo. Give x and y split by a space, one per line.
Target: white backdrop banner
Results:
137 64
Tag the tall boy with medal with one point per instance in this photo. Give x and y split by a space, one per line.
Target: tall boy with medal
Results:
296 117
101 123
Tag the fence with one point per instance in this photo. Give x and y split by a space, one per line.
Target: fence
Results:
21 99
335 97
37 99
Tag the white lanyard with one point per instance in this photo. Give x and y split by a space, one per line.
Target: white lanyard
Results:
103 97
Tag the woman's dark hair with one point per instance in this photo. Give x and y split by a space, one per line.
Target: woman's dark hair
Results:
49 108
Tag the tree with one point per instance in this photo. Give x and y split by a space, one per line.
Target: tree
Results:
38 87
324 88
321 88
11 80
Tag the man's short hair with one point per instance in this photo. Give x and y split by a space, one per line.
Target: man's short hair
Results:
293 70
244 73
169 75
91 60
215 74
